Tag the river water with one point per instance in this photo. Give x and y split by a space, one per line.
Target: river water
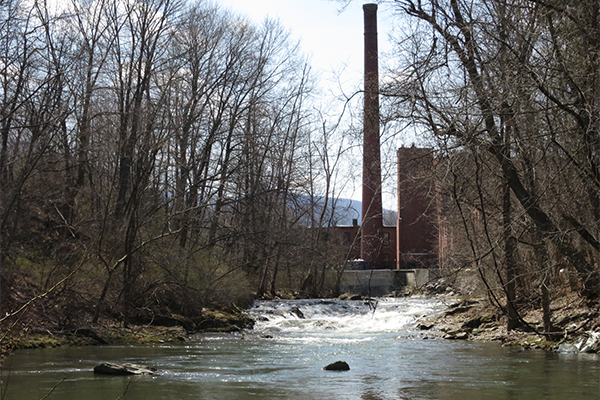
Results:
283 357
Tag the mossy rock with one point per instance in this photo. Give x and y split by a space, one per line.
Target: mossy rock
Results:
109 368
223 321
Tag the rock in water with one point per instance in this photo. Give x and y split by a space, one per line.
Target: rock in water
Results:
337 366
297 312
592 344
108 368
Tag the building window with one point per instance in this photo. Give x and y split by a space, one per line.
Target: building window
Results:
346 239
386 238
386 261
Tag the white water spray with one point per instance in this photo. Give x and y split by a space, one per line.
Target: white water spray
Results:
382 315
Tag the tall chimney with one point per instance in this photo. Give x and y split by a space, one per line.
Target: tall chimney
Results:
372 222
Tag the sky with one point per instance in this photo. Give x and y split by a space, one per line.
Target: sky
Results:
333 38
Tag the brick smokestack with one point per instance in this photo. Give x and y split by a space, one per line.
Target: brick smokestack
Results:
372 222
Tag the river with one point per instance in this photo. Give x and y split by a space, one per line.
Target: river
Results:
283 357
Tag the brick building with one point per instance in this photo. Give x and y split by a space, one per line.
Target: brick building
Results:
413 242
417 230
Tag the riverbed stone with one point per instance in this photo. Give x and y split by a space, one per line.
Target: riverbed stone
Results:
592 344
425 326
456 335
337 366
461 307
109 368
297 312
476 322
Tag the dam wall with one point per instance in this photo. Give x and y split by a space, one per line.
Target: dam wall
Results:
383 282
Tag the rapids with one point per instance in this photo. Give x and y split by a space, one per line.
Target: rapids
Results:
283 357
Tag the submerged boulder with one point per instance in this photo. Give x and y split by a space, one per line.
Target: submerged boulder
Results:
337 366
108 368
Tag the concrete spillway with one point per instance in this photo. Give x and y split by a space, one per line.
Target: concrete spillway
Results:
382 282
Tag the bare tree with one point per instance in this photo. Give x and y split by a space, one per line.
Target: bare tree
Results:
169 141
514 84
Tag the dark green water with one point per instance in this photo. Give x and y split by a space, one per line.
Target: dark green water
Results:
388 360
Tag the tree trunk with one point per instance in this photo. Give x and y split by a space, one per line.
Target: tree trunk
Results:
510 248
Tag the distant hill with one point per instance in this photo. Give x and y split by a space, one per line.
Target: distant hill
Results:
345 210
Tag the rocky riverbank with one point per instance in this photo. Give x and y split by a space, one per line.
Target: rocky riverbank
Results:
161 329
575 324
466 318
